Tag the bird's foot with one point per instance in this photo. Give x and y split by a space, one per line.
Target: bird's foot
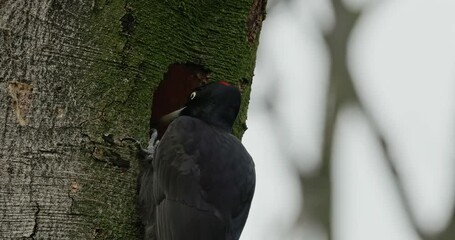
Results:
146 155
153 144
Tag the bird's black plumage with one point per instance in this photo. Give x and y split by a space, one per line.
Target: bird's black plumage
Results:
201 182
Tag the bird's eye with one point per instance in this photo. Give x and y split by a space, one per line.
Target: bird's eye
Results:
193 95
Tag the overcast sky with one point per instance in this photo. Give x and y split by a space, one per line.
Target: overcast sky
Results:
402 58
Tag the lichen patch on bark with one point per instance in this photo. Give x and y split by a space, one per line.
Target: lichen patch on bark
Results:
21 94
75 186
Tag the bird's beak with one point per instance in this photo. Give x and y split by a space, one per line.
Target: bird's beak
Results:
166 119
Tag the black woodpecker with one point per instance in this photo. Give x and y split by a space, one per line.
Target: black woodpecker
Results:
200 179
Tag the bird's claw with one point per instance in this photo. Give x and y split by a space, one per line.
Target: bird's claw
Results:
146 155
153 144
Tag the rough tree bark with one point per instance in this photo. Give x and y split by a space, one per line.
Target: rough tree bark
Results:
76 77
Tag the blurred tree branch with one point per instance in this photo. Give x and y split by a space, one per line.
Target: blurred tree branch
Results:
317 187
401 191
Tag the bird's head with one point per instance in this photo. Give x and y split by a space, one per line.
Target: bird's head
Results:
216 104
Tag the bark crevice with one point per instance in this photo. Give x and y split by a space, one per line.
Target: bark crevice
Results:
35 226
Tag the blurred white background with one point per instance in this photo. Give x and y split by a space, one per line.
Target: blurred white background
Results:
402 59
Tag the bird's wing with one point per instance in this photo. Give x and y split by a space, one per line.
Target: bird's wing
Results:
240 214
228 180
181 210
203 180
176 167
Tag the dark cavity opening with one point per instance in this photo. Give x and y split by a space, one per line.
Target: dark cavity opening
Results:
172 93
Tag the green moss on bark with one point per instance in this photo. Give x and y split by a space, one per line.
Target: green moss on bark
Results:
134 43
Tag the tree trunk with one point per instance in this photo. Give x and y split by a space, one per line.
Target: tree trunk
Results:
78 76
